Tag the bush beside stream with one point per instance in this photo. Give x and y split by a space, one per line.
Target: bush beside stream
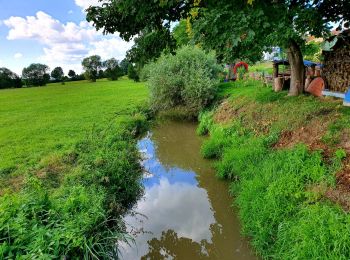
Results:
279 187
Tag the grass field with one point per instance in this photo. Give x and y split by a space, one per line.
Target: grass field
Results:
38 121
70 168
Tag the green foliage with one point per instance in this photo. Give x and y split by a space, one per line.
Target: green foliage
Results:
132 17
57 73
124 65
9 79
132 73
149 45
92 65
313 51
205 122
187 79
180 34
214 147
318 231
71 74
36 75
113 71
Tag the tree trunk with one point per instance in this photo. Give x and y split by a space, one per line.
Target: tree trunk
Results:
296 62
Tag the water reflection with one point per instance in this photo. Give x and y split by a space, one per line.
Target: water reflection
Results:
185 213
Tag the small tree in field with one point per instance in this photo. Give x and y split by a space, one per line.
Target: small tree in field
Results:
57 74
72 74
92 65
36 75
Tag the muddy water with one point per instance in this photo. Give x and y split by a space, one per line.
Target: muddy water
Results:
186 211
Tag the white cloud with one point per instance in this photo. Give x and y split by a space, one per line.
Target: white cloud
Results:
18 55
65 44
163 211
47 30
107 48
84 4
70 12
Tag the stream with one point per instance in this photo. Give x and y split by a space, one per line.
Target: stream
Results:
186 212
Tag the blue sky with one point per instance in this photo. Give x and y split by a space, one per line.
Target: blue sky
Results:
52 32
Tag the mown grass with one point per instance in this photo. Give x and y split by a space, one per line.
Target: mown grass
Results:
38 121
84 171
280 192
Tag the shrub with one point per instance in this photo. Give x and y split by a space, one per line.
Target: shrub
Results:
187 79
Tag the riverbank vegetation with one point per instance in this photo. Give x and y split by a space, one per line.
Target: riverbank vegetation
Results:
69 168
185 82
287 159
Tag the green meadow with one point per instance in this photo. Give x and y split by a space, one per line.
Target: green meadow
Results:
69 168
38 121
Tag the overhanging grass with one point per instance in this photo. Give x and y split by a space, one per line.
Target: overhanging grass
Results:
279 192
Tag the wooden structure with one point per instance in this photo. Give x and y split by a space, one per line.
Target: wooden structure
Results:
312 69
336 70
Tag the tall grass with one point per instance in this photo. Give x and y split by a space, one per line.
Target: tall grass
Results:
73 197
279 192
81 218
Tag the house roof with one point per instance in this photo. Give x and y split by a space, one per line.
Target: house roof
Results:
307 63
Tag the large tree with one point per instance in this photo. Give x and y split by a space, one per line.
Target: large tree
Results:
36 74
92 65
57 73
9 79
113 71
234 28
149 45
72 74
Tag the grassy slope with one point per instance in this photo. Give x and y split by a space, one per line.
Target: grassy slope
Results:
281 186
38 121
70 204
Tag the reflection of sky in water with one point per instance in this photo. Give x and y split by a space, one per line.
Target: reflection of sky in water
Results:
172 201
159 171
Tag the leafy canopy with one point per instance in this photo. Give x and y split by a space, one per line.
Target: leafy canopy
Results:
92 65
57 73
185 81
236 29
9 79
36 74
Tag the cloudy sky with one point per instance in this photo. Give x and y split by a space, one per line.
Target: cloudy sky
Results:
52 32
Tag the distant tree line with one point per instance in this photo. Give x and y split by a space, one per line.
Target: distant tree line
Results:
37 74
